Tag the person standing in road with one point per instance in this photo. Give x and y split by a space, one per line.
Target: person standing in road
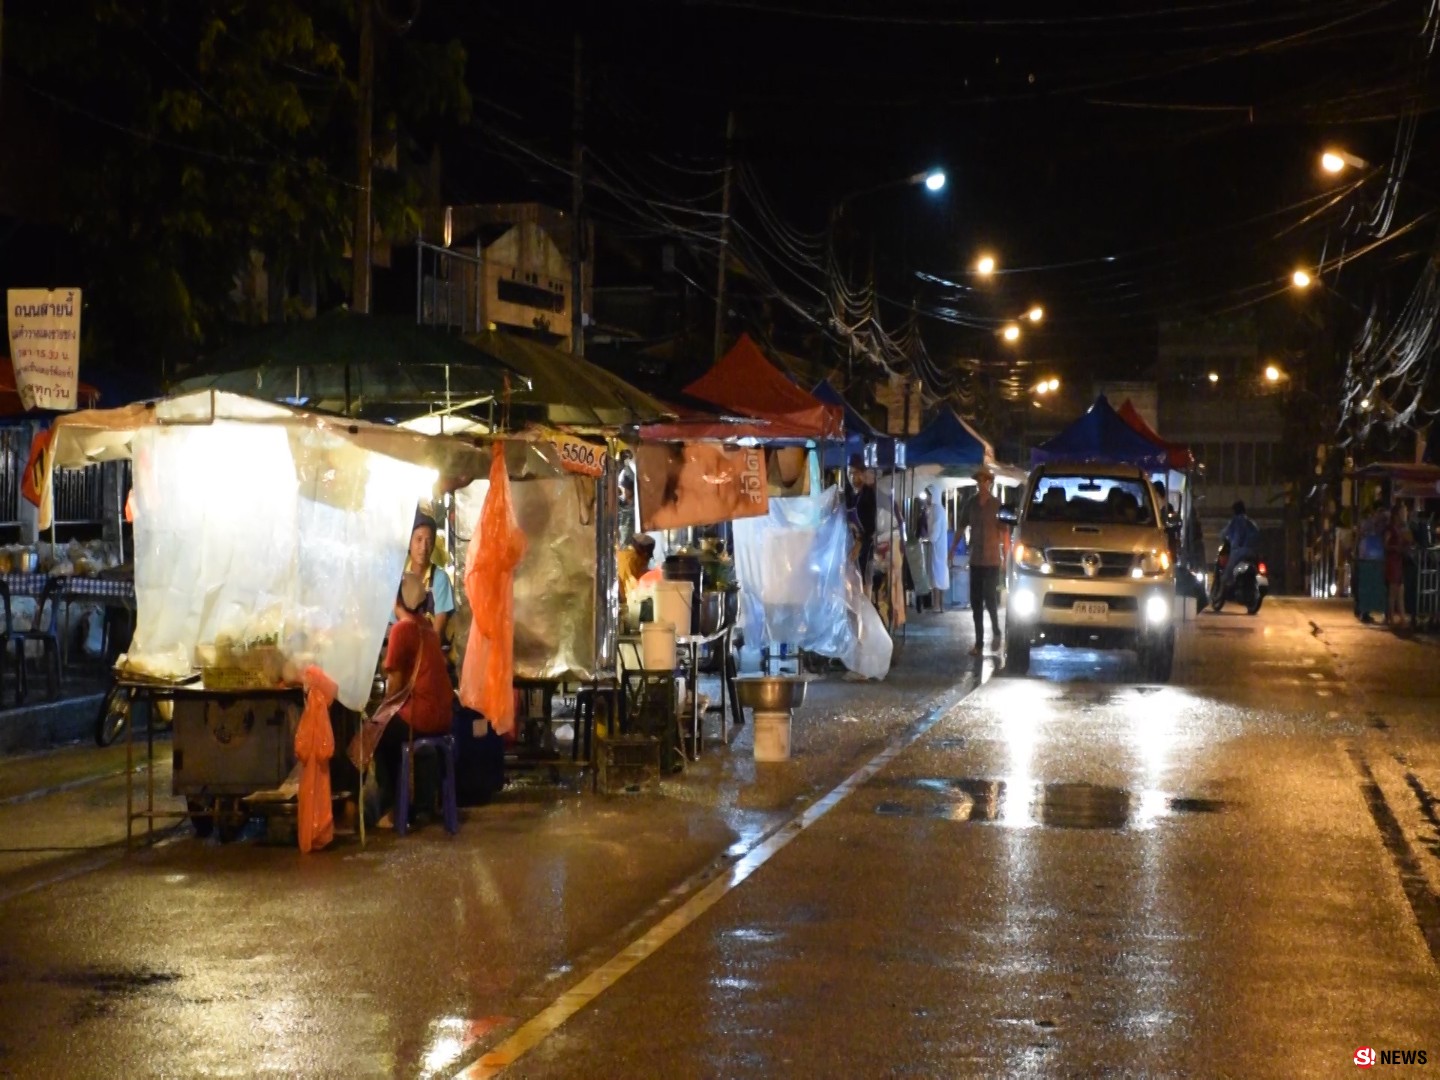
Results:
985 536
862 514
1398 542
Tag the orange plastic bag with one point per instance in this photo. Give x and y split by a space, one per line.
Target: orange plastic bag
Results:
315 746
496 548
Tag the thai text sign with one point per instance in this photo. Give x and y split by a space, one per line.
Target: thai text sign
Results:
699 484
45 346
579 456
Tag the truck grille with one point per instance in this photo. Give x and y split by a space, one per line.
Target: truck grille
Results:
1070 562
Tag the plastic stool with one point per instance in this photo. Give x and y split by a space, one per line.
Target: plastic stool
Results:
446 745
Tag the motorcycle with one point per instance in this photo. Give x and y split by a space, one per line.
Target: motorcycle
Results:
1248 585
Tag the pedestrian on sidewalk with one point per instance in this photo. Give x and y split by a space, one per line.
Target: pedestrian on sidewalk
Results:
981 522
1398 542
938 553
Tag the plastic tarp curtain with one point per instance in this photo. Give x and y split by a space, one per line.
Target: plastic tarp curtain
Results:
496 548
291 535
555 591
799 585
314 747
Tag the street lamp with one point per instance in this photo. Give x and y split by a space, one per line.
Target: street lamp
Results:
985 265
1214 377
1272 373
1011 332
1337 161
1300 279
934 180
1054 385
1035 314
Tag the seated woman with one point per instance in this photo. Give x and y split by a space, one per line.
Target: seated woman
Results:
412 658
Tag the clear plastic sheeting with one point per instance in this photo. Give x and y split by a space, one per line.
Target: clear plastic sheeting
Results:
271 537
799 585
555 580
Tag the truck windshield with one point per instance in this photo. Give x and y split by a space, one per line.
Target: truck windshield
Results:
1092 500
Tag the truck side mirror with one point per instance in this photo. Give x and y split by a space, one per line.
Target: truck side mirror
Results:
1008 516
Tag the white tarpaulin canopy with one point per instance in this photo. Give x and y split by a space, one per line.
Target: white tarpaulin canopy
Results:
259 525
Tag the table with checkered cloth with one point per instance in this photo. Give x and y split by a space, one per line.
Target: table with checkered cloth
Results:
77 587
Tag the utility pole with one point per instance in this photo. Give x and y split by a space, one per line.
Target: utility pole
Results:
360 248
724 233
577 208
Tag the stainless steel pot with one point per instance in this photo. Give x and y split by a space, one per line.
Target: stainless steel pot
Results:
771 693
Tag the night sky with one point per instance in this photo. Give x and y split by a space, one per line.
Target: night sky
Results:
1125 162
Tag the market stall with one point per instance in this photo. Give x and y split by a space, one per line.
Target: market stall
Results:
943 458
268 541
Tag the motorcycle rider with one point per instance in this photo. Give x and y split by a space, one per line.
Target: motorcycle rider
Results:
1243 536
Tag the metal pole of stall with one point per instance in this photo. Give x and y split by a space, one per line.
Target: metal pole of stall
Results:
120 507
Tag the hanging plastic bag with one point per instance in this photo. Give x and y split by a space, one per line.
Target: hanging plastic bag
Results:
315 746
496 548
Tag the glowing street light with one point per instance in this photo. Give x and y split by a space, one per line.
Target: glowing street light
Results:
1335 162
1011 332
934 180
1301 280
1042 387
1214 376
1036 313
985 265
1365 404
1054 385
1272 373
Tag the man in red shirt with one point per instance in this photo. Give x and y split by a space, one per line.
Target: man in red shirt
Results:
413 658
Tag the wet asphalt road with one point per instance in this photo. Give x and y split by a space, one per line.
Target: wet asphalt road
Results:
1064 875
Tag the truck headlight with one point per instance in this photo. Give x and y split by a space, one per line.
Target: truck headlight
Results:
1031 558
1157 610
1154 563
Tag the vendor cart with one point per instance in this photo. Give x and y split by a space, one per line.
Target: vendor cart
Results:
227 746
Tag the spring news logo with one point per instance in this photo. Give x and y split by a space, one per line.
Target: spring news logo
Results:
1366 1057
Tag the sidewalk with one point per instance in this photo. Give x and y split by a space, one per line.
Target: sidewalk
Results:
1392 681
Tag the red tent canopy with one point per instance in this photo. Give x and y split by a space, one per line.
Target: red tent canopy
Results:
1180 457
743 382
10 403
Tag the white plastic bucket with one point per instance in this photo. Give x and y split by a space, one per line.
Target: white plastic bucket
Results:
657 646
674 601
772 736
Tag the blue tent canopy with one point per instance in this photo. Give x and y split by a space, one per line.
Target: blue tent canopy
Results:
858 432
1101 435
950 442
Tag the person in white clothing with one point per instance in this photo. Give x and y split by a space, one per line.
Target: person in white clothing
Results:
938 555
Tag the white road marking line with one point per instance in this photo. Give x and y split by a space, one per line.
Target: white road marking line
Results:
543 1024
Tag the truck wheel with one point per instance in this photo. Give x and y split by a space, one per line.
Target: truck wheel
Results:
1157 660
1017 653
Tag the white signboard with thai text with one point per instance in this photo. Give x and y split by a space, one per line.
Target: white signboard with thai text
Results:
45 346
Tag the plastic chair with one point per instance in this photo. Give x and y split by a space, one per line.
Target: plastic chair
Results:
45 629
444 744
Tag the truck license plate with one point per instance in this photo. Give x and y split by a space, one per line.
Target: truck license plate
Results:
1091 609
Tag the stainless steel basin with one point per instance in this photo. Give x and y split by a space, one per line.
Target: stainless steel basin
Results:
771 693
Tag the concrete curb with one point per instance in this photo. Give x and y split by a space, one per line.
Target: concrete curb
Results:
50 723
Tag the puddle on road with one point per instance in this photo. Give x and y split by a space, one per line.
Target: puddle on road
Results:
1058 805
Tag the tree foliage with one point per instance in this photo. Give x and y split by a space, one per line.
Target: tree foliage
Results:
188 136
